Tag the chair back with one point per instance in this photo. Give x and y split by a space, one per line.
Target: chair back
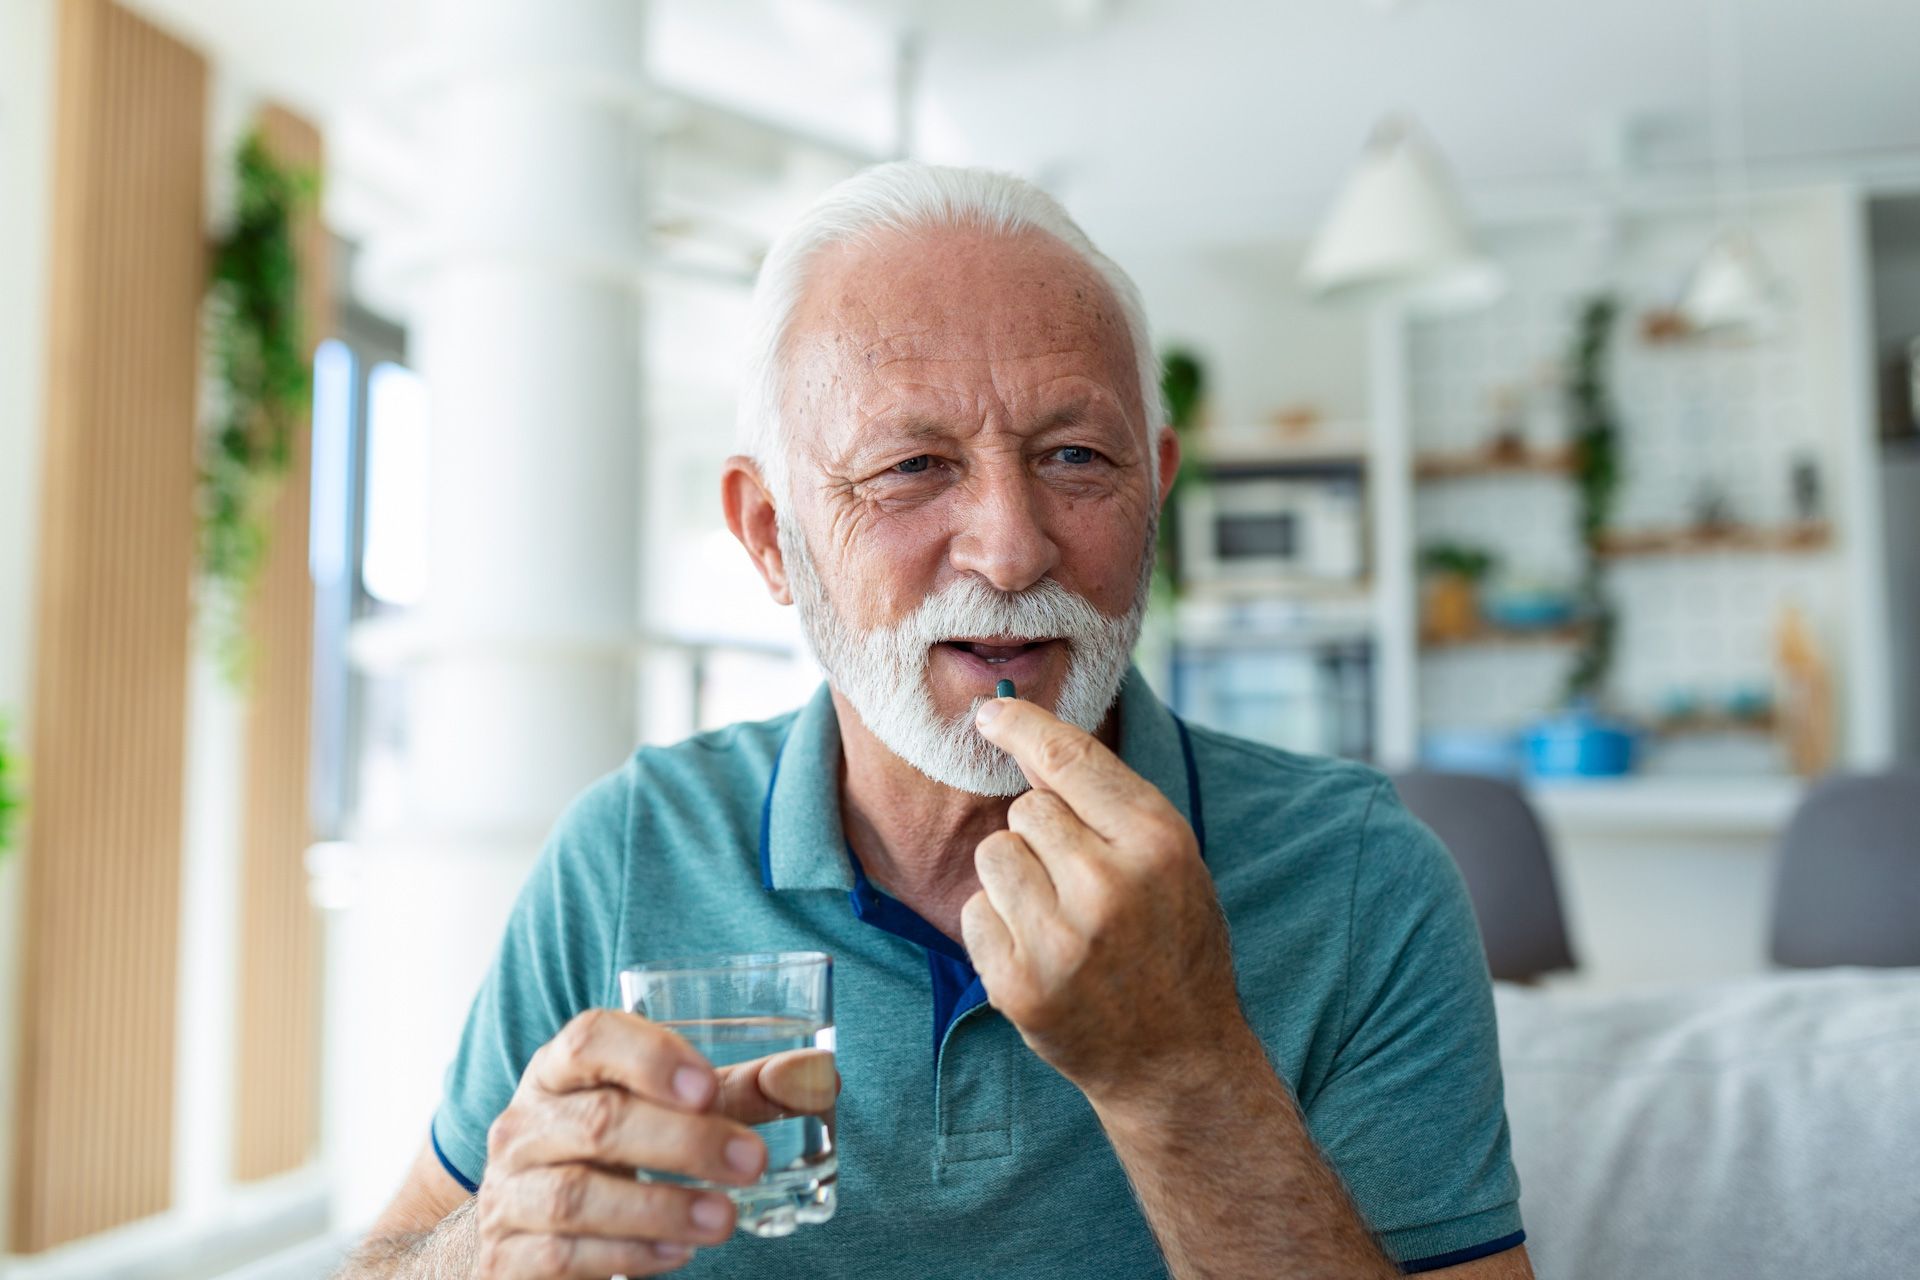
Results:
1502 854
1846 888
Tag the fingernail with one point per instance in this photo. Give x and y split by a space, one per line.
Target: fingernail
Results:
691 1084
812 1084
672 1250
988 710
744 1154
710 1213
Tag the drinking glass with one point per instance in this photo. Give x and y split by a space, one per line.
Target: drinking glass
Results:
734 1009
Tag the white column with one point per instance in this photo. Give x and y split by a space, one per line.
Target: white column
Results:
1396 599
524 319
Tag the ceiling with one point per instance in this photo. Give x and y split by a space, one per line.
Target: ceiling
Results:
1170 122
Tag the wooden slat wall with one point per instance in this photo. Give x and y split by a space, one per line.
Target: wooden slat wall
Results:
277 1124
109 695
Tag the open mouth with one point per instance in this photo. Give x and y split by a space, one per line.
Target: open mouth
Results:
999 651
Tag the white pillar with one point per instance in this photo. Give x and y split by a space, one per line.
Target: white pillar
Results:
1396 715
524 321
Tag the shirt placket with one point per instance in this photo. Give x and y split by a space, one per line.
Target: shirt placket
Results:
973 1095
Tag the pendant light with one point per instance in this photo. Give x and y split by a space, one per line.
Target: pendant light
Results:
1731 292
1397 233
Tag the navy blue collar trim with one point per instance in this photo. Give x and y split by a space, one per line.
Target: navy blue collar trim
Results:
1193 787
1468 1254
896 917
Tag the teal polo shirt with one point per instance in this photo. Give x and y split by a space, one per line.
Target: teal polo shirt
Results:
962 1153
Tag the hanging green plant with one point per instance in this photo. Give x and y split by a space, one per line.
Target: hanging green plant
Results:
263 378
10 801
1596 477
1183 386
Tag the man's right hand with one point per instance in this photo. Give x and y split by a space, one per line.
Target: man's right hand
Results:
611 1093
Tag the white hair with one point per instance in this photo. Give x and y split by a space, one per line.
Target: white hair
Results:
908 196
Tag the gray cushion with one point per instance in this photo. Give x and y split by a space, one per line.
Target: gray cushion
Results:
1756 1128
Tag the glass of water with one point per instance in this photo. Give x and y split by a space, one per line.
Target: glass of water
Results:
735 1009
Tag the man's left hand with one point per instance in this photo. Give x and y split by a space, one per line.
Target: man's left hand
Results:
1096 930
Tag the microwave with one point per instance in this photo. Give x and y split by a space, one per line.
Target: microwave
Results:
1266 529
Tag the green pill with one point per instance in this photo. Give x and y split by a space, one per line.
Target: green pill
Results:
1004 689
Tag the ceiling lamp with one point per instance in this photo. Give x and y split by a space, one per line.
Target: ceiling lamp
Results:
1731 292
1397 233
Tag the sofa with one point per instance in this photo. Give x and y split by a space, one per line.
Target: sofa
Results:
1755 1128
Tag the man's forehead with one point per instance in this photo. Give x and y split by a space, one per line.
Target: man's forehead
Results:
932 292
954 294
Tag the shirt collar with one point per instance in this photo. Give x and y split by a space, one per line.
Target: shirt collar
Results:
803 846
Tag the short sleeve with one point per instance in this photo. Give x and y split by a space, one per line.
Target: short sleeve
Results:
1412 1111
554 960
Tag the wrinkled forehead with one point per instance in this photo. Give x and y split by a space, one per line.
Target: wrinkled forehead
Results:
927 310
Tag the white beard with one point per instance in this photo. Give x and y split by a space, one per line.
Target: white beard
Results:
883 671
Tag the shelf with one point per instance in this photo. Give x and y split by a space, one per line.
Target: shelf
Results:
1566 633
1344 448
1811 535
1714 723
1493 462
1279 589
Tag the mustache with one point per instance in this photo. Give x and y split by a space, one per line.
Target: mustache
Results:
970 608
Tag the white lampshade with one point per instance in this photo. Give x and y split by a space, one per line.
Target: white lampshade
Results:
1397 232
1731 291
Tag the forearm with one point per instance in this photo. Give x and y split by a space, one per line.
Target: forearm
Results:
1232 1184
444 1253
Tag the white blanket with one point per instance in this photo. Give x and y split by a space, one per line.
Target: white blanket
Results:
1756 1128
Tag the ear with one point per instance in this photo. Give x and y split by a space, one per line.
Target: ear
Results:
752 516
1169 445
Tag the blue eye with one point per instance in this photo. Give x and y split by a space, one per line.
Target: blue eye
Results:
1077 454
914 466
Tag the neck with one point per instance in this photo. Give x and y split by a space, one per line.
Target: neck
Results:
915 837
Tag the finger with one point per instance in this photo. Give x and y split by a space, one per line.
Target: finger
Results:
1057 837
554 1257
799 1081
989 944
608 1126
606 1046
1067 760
1015 882
579 1200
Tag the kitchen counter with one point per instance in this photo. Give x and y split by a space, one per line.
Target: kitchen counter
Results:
1758 805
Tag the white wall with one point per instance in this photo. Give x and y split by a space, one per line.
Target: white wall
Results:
26 154
1264 345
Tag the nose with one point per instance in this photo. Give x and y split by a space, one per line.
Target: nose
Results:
999 534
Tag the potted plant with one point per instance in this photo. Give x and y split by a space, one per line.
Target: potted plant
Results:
1451 608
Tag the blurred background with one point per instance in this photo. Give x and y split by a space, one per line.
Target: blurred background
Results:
1550 382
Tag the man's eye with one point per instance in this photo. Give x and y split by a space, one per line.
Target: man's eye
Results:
914 466
1077 454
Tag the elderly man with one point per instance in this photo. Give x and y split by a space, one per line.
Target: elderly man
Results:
1117 996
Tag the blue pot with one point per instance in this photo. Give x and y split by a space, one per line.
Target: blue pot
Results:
1579 743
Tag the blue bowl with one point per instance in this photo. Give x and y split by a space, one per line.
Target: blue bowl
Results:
1527 610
